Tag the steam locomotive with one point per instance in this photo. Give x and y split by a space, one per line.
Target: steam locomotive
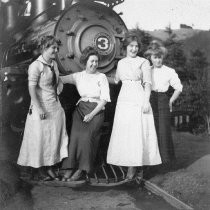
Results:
77 24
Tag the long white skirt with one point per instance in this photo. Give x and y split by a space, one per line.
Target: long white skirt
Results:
133 140
45 142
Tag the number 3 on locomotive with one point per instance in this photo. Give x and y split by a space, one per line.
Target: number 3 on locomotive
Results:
102 41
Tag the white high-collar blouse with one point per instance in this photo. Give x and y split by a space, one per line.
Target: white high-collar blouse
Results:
91 87
164 77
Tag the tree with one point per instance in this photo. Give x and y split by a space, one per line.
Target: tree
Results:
198 65
195 75
176 57
196 91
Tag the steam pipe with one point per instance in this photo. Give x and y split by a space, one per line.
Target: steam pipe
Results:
11 14
38 6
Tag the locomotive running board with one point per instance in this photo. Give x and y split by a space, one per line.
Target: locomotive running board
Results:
76 184
106 176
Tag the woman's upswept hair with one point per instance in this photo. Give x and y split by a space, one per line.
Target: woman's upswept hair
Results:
155 48
130 37
86 53
46 41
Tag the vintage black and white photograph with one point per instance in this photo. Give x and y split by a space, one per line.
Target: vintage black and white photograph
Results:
104 104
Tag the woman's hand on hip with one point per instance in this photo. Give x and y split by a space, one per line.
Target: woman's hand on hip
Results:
146 107
88 117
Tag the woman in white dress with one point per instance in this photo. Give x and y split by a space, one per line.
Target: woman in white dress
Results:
45 140
133 140
88 116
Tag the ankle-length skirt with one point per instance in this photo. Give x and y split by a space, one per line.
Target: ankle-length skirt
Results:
45 142
162 116
133 140
84 138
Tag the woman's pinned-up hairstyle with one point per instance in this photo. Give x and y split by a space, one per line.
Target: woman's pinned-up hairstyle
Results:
155 48
130 37
46 41
86 53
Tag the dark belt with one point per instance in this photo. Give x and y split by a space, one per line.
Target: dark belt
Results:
158 93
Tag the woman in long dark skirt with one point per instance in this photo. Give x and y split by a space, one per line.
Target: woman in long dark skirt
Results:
163 77
88 116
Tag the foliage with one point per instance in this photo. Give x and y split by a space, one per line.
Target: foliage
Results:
193 72
198 65
176 57
194 100
197 95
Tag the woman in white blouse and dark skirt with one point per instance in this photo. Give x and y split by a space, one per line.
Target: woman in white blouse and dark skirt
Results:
163 77
88 116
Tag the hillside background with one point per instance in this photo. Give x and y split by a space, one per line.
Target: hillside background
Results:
192 39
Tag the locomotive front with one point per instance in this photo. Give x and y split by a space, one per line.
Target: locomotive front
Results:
78 25
85 24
